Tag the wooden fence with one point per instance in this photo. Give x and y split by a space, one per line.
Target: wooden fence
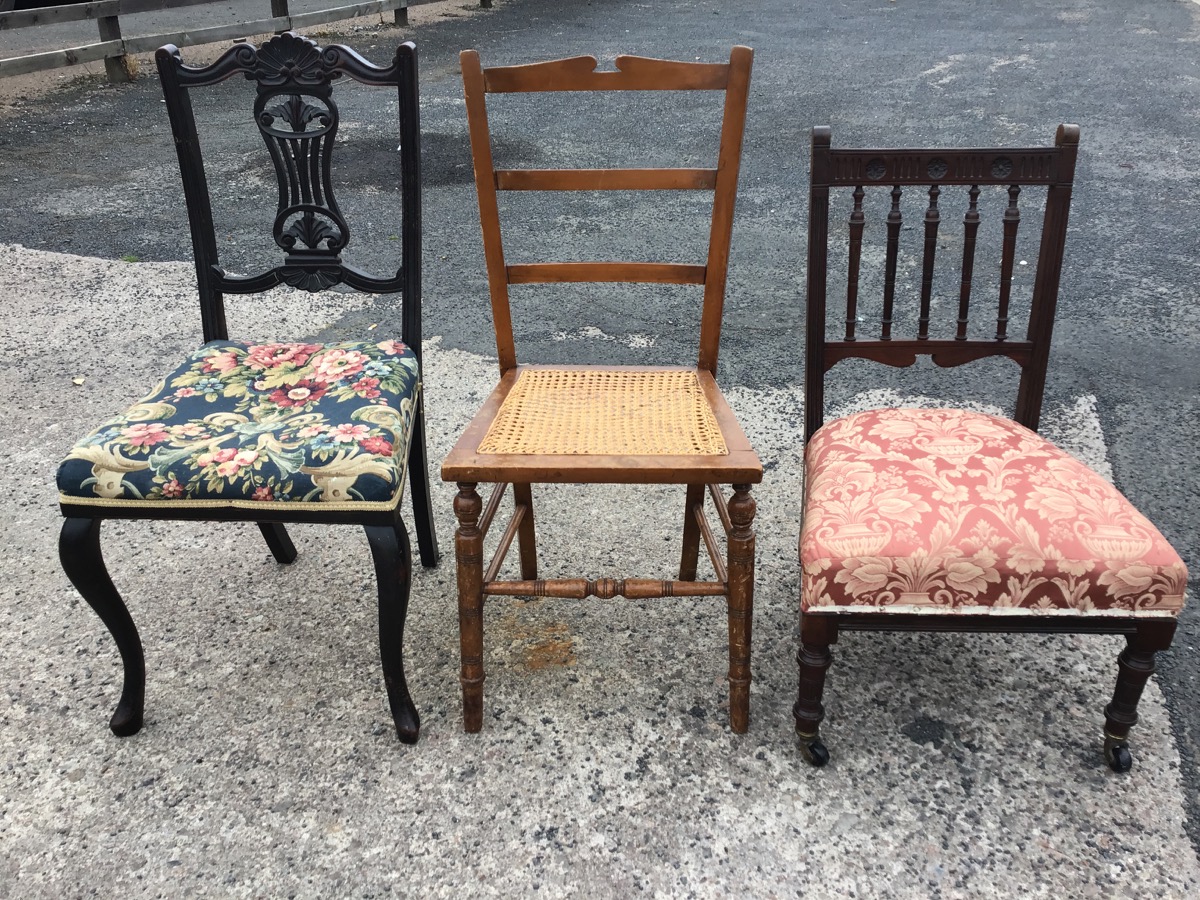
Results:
115 49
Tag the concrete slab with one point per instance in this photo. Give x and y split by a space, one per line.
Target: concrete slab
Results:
268 767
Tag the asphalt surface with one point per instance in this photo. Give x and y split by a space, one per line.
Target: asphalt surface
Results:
88 170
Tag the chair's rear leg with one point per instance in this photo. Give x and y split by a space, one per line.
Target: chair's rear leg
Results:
816 634
740 556
468 547
79 551
526 538
278 541
393 570
1135 665
691 534
422 496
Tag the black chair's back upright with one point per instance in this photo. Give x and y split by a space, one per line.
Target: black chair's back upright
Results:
298 119
1052 168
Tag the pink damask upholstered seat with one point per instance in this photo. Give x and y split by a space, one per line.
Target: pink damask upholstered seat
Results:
948 511
943 519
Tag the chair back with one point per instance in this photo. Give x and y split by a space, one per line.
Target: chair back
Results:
1052 168
298 120
633 73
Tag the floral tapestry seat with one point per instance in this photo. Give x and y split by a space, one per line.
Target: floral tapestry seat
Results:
950 511
256 425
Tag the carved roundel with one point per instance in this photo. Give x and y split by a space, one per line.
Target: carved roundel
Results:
1002 167
937 168
876 169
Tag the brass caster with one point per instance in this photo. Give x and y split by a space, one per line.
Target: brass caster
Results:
1117 755
813 750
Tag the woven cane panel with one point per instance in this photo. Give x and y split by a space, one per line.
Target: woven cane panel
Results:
605 411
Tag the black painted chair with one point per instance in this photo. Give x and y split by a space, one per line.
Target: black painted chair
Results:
274 432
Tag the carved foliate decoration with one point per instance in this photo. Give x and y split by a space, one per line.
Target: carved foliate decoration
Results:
1002 167
290 59
937 168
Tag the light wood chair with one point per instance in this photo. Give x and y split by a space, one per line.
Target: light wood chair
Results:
948 519
606 424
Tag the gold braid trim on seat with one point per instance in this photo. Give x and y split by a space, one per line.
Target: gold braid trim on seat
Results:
606 411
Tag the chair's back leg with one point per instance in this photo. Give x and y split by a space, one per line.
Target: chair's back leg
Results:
393 570
422 497
526 536
691 533
278 541
79 551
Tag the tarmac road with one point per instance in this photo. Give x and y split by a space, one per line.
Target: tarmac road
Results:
88 170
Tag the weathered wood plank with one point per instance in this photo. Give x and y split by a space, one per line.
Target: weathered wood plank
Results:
51 15
129 7
337 13
54 59
206 35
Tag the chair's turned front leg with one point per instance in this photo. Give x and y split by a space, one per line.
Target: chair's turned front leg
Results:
1135 665
393 571
816 634
741 604
79 551
468 547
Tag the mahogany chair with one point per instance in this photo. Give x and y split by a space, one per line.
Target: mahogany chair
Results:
599 424
948 520
274 432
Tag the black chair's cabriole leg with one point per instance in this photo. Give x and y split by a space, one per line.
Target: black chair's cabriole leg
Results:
816 634
393 570
79 551
280 544
422 497
1135 665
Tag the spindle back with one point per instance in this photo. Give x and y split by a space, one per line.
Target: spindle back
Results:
933 169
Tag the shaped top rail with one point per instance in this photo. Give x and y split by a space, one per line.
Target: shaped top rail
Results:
290 62
634 73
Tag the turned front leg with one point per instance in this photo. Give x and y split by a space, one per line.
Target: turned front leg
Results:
1135 665
816 634
468 547
741 604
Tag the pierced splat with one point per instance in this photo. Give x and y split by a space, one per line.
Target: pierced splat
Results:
298 122
299 131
